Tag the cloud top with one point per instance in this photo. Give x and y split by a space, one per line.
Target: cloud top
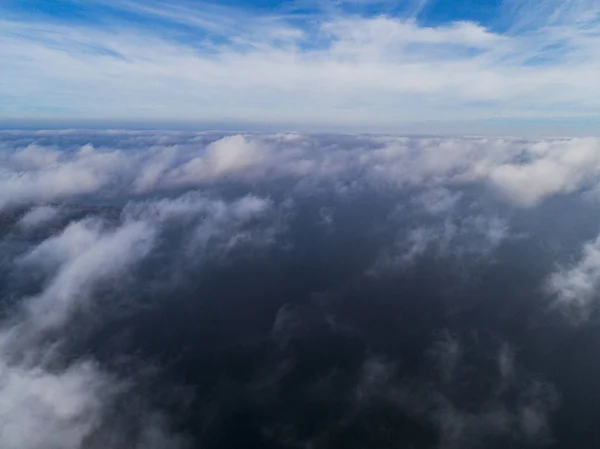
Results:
522 172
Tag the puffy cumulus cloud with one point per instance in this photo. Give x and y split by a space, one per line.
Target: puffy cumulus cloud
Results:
51 401
213 226
195 205
236 216
575 287
229 156
45 403
34 157
523 172
234 153
38 216
73 407
90 253
45 409
59 249
564 167
103 257
158 162
85 171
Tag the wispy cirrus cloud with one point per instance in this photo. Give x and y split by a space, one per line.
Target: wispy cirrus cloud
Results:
182 61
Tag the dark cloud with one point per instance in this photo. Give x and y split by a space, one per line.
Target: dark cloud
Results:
173 290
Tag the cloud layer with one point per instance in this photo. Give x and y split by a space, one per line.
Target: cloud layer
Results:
333 67
524 172
174 290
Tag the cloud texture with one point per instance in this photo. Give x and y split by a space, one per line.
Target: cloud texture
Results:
524 172
373 65
177 290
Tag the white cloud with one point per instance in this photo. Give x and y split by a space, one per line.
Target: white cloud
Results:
438 200
234 153
57 250
35 157
227 230
523 172
83 172
45 403
93 252
217 227
49 403
561 169
249 207
230 155
335 70
41 409
193 206
88 254
108 256
158 161
38 216
575 287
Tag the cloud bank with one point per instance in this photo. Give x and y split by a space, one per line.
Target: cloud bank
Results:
524 172
178 290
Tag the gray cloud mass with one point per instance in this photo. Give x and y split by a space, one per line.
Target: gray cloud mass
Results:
178 290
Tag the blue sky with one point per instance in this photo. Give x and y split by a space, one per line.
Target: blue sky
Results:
463 66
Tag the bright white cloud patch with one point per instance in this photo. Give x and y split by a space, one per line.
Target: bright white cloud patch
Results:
32 178
229 156
41 409
576 287
523 172
553 169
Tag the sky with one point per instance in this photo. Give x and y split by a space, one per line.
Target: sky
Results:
516 67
